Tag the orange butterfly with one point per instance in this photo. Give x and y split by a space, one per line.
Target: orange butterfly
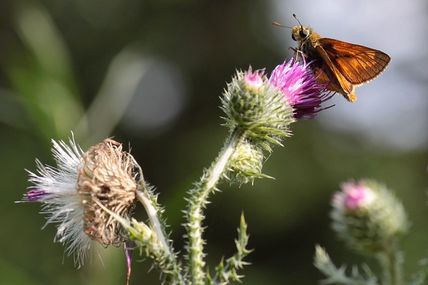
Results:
341 65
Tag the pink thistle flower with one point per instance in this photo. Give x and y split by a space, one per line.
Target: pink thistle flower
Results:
253 79
300 88
34 195
367 216
353 196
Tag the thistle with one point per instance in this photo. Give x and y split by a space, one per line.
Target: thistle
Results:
71 194
254 106
367 216
300 88
258 113
370 220
91 195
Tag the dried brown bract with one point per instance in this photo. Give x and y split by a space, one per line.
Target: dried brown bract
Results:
107 176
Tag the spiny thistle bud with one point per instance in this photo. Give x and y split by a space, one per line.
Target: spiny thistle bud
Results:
253 80
246 163
264 108
252 104
367 216
75 193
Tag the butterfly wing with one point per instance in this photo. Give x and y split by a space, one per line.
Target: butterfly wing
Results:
331 75
358 64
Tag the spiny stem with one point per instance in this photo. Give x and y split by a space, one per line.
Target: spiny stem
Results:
161 255
198 198
153 213
154 220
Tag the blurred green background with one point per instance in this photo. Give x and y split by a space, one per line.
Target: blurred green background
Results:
150 74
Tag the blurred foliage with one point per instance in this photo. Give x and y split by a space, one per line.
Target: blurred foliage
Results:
58 58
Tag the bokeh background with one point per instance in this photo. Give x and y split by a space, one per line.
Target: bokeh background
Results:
150 74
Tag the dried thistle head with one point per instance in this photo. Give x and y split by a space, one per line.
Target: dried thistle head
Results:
107 176
73 191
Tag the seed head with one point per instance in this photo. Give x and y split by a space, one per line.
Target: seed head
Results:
72 191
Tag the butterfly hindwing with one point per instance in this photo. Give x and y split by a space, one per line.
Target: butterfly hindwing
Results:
358 64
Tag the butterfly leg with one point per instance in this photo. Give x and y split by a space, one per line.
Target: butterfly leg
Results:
299 55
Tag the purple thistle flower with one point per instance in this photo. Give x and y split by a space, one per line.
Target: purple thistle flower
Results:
353 196
34 195
300 88
254 79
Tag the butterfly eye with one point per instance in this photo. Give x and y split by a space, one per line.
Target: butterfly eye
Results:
293 37
302 34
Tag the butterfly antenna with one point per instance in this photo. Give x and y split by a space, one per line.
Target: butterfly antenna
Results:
278 24
295 17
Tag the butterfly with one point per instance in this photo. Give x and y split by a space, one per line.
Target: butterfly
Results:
341 65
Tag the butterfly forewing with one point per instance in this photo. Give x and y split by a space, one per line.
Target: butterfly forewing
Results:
358 64
341 66
329 73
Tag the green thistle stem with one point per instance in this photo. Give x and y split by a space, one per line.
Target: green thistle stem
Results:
172 267
154 220
198 199
390 261
148 243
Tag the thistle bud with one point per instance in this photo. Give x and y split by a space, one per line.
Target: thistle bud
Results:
367 216
252 104
246 163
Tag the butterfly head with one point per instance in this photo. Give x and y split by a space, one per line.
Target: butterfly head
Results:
300 33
